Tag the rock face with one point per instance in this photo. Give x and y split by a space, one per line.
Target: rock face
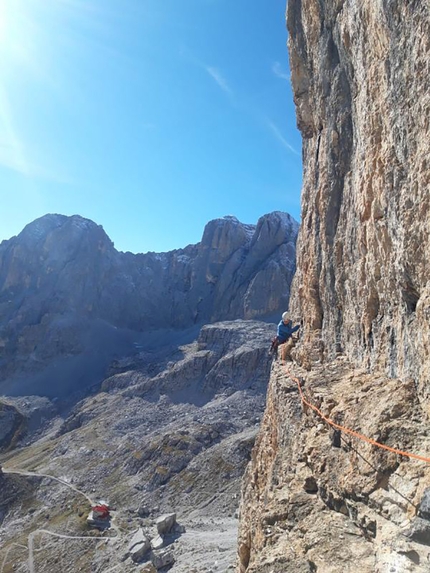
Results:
139 545
12 424
308 506
161 439
165 523
360 77
69 302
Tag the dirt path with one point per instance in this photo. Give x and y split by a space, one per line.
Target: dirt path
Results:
59 480
30 547
31 568
7 554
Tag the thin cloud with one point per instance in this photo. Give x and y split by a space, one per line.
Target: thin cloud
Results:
213 72
11 160
279 72
219 79
277 133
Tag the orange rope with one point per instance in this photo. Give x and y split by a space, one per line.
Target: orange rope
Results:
352 432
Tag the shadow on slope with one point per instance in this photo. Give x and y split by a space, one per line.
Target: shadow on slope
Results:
98 344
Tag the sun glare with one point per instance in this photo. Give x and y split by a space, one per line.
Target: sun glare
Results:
2 20
13 29
17 52
40 40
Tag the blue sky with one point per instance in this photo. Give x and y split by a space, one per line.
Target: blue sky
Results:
150 117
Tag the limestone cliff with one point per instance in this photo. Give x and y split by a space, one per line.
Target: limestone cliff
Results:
70 302
310 507
362 288
360 76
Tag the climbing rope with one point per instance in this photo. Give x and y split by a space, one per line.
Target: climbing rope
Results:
348 430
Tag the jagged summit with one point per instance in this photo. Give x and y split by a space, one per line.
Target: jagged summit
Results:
230 225
64 289
229 218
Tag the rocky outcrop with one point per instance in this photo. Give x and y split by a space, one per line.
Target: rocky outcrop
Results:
163 558
70 303
309 506
313 501
12 425
168 442
165 523
139 546
360 78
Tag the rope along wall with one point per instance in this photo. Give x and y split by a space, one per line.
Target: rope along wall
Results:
348 430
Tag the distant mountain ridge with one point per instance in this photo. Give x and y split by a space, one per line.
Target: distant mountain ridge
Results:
65 291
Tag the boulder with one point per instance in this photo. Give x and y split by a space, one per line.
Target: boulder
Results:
161 559
157 542
139 546
419 531
165 523
148 568
143 510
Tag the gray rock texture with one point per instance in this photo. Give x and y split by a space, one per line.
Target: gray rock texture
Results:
419 531
157 542
165 523
360 77
162 558
12 425
424 509
168 433
139 546
70 303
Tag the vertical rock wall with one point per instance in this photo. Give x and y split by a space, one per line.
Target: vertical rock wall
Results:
360 73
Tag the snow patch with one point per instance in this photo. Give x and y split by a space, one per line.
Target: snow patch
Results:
81 223
249 230
161 258
183 259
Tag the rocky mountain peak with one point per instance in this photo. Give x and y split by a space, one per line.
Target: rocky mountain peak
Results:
62 283
274 229
61 229
69 227
41 227
227 234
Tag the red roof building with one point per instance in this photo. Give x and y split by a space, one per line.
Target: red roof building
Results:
101 512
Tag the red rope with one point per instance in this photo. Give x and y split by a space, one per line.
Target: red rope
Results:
352 432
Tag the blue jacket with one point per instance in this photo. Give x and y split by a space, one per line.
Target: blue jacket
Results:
285 331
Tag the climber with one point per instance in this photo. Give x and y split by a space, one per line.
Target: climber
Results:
284 334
